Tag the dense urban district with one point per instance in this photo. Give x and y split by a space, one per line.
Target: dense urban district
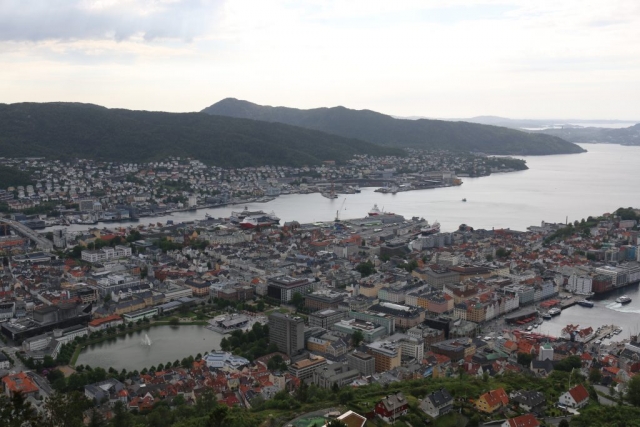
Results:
87 191
352 322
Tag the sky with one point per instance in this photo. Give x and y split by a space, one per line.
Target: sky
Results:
540 59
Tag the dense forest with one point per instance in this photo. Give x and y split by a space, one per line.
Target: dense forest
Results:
385 130
12 177
71 130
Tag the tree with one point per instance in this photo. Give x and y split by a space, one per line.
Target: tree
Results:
563 423
595 376
297 300
66 410
568 364
365 268
96 420
633 390
121 417
357 337
217 416
525 359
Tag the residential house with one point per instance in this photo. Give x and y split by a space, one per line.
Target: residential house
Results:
438 403
492 401
526 420
392 407
576 397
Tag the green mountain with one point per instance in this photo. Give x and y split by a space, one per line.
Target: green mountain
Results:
71 130
385 130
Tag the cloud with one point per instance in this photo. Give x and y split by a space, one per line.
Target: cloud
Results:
41 20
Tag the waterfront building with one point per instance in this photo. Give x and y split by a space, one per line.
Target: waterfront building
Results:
580 284
145 313
287 332
103 323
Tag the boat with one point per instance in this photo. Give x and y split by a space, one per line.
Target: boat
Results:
257 222
464 200
585 303
375 211
529 328
430 229
555 311
237 216
356 189
546 316
273 217
623 300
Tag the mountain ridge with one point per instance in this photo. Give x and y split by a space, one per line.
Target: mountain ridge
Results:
386 130
63 130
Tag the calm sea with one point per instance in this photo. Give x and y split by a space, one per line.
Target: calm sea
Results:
555 188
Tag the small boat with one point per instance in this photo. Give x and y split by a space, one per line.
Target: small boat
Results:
464 200
529 328
555 311
623 300
546 316
585 303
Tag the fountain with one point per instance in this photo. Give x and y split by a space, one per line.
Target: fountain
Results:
146 340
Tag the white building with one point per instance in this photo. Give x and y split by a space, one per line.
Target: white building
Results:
577 397
580 285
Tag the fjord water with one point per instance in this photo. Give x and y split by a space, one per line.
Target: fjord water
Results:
554 188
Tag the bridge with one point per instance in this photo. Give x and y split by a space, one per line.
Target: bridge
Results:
41 242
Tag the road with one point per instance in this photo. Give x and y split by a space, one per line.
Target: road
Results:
41 242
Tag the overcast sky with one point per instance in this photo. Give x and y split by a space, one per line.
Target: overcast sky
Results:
519 59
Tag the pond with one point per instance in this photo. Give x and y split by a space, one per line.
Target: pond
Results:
168 343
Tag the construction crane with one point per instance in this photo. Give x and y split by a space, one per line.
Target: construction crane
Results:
338 211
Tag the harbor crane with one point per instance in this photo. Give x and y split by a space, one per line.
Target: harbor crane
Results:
338 211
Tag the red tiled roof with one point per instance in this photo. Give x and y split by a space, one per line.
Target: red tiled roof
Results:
579 393
527 420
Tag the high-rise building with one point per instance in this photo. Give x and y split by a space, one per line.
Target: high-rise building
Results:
287 332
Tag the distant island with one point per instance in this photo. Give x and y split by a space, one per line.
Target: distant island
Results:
386 130
72 130
624 136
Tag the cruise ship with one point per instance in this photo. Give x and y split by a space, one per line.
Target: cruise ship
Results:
430 229
258 221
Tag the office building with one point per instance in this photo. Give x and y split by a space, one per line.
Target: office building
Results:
287 332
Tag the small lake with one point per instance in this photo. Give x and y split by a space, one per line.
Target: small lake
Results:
168 343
